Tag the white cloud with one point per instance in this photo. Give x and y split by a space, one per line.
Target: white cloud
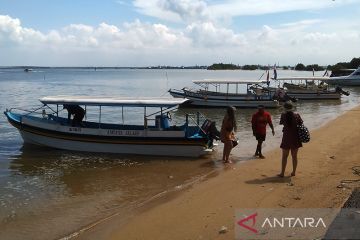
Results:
207 35
201 10
202 42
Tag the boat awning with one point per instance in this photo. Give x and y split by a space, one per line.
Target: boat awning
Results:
112 101
303 78
223 81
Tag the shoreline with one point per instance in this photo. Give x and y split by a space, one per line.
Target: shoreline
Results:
196 210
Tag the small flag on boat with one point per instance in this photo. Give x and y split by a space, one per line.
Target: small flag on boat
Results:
275 73
326 73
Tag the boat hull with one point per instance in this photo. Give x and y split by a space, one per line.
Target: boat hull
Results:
344 82
239 100
314 96
121 148
42 132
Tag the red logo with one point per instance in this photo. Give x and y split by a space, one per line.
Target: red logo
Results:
242 222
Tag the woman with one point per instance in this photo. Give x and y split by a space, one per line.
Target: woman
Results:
227 134
290 140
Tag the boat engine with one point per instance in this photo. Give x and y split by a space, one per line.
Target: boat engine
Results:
209 127
341 91
283 96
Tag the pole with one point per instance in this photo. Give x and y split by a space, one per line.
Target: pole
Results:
99 116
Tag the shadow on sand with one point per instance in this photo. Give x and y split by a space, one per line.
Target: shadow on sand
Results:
273 179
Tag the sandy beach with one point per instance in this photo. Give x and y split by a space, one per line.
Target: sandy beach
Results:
201 210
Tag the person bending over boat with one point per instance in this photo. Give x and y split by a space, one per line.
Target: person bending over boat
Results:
227 133
78 113
259 121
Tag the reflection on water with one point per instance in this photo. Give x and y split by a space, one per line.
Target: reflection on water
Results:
47 193
63 191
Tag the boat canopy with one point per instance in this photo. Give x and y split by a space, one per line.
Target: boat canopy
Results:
222 81
112 101
303 78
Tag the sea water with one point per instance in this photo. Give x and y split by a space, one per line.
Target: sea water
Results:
47 193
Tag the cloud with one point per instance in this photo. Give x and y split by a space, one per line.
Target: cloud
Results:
200 10
207 35
138 43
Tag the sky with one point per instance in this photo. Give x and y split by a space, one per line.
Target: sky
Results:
178 32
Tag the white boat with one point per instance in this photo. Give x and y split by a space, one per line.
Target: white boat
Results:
252 98
350 80
156 136
309 88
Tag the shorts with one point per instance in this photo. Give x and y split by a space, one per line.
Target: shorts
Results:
260 137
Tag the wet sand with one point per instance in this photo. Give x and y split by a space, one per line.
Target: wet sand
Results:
199 211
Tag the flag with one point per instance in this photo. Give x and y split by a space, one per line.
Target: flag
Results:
326 73
275 73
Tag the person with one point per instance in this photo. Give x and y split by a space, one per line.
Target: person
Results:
290 140
78 113
227 133
259 121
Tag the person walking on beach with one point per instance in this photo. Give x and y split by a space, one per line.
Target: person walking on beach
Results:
290 140
259 121
227 133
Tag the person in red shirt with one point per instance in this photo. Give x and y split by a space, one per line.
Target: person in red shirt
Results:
259 121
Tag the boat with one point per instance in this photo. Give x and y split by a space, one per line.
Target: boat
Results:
28 70
308 88
349 80
206 97
156 136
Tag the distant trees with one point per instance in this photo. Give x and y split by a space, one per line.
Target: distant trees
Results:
300 67
353 64
223 66
315 67
250 67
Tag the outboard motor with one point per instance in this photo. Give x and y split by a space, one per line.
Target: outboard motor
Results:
211 131
341 91
283 96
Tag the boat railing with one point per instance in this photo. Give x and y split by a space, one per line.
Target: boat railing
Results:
37 111
196 119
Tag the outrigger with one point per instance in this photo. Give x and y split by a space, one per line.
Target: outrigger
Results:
252 98
156 136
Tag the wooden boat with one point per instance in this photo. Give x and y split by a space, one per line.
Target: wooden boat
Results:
156 136
308 88
252 98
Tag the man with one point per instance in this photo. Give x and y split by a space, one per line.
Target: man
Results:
259 121
78 113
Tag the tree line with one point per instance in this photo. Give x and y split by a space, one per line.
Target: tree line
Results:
353 64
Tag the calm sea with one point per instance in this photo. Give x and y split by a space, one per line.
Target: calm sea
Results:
48 194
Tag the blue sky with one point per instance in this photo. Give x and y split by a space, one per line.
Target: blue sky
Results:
178 32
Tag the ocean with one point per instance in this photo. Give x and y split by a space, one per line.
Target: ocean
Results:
49 194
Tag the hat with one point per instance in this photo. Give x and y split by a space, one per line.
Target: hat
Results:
288 106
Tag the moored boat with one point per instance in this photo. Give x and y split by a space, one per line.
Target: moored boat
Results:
349 80
309 88
252 98
156 136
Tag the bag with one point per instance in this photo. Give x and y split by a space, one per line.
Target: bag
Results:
304 134
235 141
